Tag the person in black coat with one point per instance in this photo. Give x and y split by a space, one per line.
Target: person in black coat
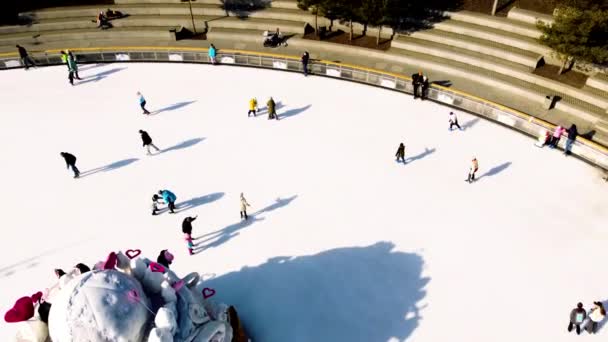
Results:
577 317
305 58
70 161
401 153
572 134
82 268
187 225
164 258
147 141
425 87
25 58
417 83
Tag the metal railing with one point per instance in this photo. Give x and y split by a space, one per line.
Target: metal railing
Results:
585 149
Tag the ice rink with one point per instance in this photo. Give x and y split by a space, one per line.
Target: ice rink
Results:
342 244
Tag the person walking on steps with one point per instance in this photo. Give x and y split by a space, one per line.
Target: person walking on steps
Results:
417 83
577 317
453 120
147 142
142 103
401 153
272 113
473 170
304 59
25 57
244 206
253 105
169 198
70 161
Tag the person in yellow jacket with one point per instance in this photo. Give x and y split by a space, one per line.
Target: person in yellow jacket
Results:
253 106
472 170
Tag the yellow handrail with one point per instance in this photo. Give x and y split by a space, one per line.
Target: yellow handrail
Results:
522 115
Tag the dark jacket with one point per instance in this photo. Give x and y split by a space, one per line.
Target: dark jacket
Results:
572 132
187 225
400 151
576 311
22 52
271 106
162 260
305 58
416 79
70 159
145 138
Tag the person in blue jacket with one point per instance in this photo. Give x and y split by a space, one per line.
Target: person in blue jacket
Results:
212 54
169 198
142 103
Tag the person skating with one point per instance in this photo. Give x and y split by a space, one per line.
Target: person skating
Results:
453 120
272 113
473 170
244 206
142 103
213 54
417 83
557 134
156 200
425 87
73 64
595 317
165 258
169 198
187 224
304 59
64 58
72 70
577 316
147 142
25 57
572 134
253 105
70 161
401 153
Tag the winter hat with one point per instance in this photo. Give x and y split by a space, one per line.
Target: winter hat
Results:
168 256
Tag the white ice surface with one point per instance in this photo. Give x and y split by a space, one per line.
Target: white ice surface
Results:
343 244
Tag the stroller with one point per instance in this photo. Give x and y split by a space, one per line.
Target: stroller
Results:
273 39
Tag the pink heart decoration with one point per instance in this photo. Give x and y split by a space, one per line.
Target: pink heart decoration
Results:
111 261
133 253
21 311
133 296
156 267
178 285
207 292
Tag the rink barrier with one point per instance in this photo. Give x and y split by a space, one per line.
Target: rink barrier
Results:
583 148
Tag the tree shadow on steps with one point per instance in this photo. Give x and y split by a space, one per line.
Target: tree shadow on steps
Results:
221 236
109 167
325 293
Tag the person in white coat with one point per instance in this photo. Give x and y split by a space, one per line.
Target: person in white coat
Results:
453 120
244 206
595 316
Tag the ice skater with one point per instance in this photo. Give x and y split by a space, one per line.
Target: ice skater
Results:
142 103
244 206
213 54
187 230
147 142
417 83
557 134
473 170
425 87
25 57
272 112
70 161
156 200
253 106
577 316
572 134
400 153
165 258
73 64
595 317
169 198
453 120
305 58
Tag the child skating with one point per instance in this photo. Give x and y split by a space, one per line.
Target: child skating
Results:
169 198
401 153
473 170
244 206
156 200
187 230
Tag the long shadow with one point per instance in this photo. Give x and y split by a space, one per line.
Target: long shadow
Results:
443 83
355 294
183 144
470 124
198 201
264 110
293 112
100 76
174 106
421 155
495 170
243 8
221 236
109 167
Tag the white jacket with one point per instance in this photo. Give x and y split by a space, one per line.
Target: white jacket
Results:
596 315
452 118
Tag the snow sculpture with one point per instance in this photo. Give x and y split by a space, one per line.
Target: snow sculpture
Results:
134 302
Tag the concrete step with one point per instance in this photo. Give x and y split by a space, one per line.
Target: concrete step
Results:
258 24
220 33
529 17
288 4
598 81
161 33
130 9
497 23
498 36
121 2
487 47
